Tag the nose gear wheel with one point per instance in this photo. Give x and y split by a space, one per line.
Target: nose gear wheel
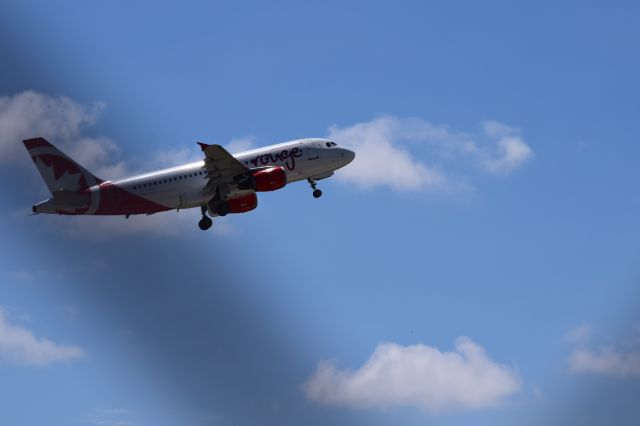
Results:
316 192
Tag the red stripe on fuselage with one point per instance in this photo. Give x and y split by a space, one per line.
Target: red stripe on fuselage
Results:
116 201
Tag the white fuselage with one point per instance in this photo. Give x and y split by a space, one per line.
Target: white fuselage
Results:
182 187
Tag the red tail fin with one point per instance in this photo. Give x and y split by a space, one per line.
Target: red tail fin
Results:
58 170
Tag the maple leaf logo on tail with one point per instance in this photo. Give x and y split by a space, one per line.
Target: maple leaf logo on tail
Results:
57 169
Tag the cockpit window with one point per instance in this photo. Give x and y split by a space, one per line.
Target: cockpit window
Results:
330 144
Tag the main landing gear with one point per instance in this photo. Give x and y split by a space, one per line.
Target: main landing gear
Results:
206 222
316 192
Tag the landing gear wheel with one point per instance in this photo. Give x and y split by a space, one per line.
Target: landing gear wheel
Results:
205 223
316 192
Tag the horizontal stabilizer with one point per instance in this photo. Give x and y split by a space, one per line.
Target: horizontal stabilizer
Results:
66 198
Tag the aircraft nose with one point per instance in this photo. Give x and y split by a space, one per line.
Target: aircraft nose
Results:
348 155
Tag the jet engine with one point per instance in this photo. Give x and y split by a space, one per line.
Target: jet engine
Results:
267 179
240 204
243 204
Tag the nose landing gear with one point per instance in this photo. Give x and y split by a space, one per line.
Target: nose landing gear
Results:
206 222
316 192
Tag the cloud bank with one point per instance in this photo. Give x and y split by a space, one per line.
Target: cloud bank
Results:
419 376
61 120
606 361
383 157
20 346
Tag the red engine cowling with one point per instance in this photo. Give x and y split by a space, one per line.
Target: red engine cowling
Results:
243 204
270 179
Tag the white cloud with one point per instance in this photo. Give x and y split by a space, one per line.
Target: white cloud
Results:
418 375
241 144
30 114
19 345
607 361
383 157
380 158
62 121
578 334
510 151
169 157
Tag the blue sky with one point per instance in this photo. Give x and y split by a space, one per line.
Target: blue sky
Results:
494 197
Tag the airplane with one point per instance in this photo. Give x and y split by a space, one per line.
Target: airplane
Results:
219 184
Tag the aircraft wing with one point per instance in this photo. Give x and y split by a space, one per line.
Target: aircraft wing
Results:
219 161
222 167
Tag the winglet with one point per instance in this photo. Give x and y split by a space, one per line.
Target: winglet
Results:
203 146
